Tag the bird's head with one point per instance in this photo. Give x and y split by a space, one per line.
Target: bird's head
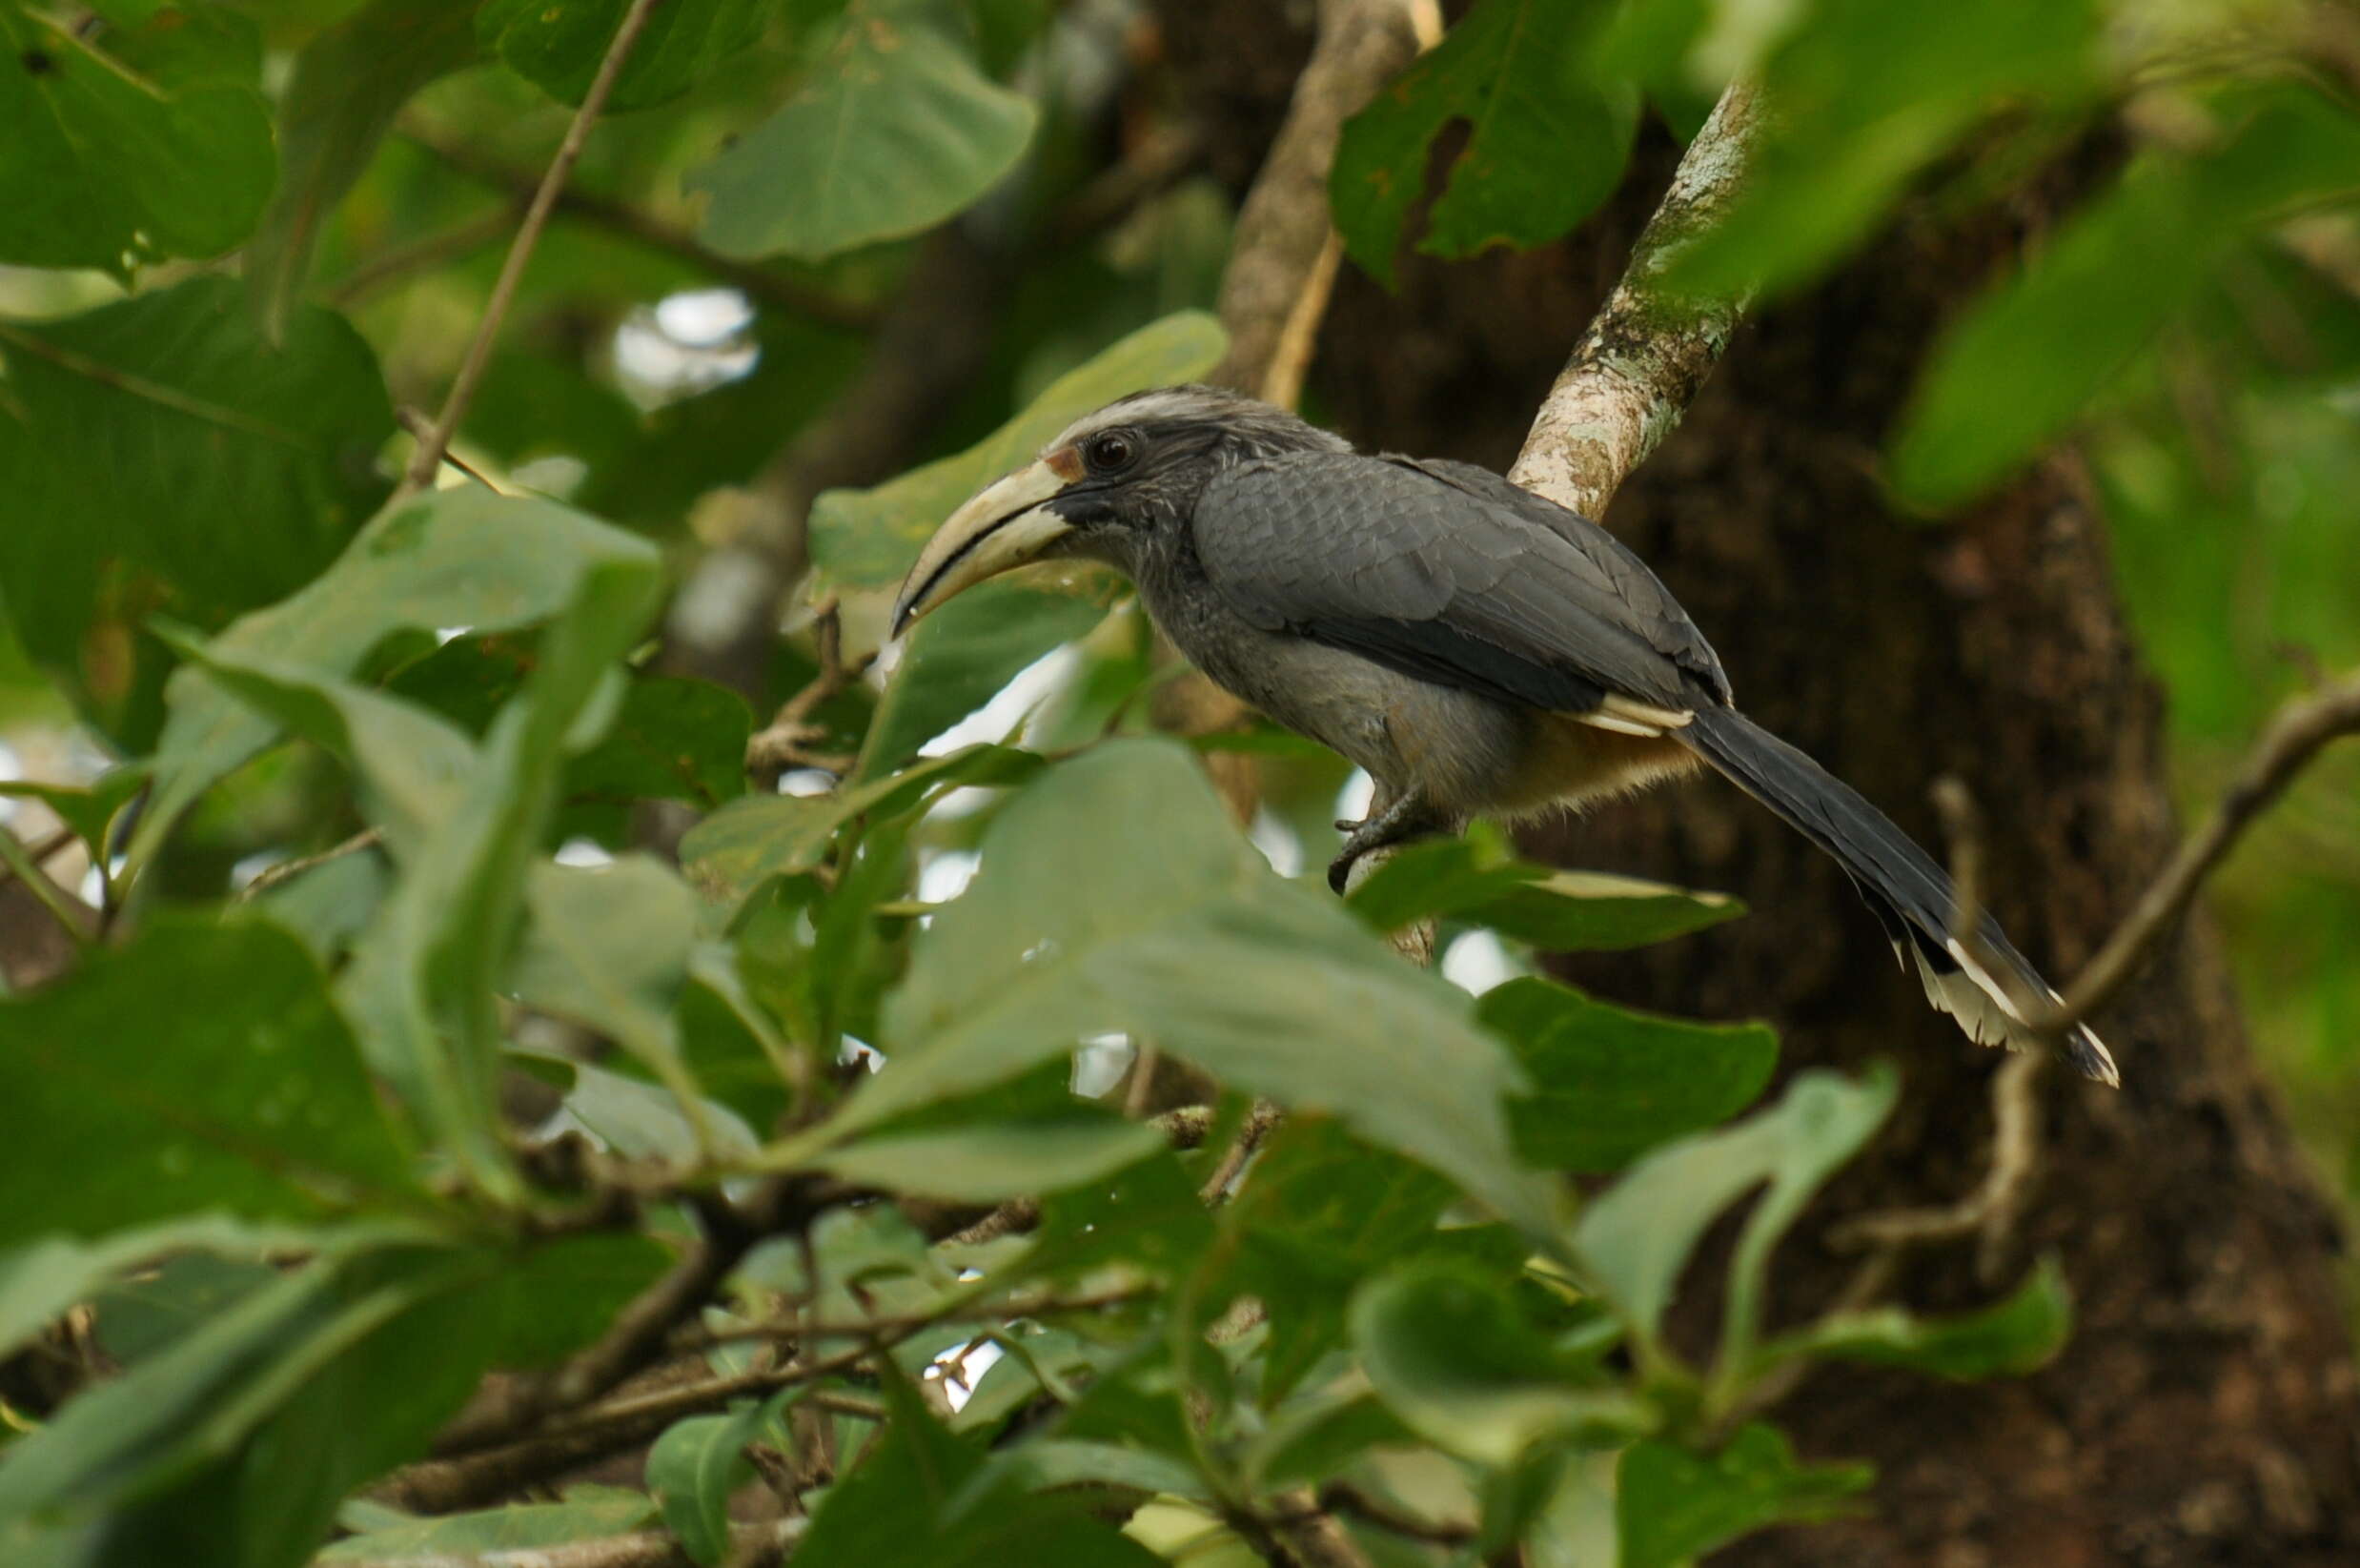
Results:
1108 486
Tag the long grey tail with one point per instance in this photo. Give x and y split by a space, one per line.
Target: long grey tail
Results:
1909 891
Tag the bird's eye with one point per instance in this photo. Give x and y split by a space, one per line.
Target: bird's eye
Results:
1110 450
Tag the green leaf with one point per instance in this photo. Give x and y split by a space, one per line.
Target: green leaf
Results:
422 987
1449 1355
456 557
674 739
1115 896
41 1278
413 767
125 145
696 1465
557 46
609 949
957 658
1559 911
209 1063
867 538
587 1514
258 1402
179 465
1634 1240
892 131
1867 94
2005 1338
996 1161
1674 1506
88 811
349 83
1318 1214
2017 369
1548 136
759 837
908 1500
1612 1084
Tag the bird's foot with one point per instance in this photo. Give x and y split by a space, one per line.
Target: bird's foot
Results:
1406 819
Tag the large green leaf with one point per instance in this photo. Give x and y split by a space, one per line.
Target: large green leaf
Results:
609 949
758 837
349 83
1115 895
412 767
587 1512
242 1433
1560 911
1674 1505
1610 1084
122 145
163 457
557 47
2009 1336
208 1061
2017 370
892 131
957 658
994 1161
694 1467
911 1499
1866 94
1450 1355
422 987
456 557
868 537
41 1278
1548 136
1634 1240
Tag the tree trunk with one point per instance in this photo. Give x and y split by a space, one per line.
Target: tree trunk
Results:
2206 1410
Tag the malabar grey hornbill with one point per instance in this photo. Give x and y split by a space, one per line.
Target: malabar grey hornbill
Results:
1478 649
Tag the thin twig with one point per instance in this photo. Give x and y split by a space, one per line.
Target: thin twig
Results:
1312 1534
1344 1497
782 744
1264 1115
75 917
429 454
2299 731
422 255
39 854
976 1311
286 870
414 421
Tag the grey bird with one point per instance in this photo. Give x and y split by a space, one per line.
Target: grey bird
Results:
1478 649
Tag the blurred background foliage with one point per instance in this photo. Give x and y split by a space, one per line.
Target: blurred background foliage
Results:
244 246
2203 347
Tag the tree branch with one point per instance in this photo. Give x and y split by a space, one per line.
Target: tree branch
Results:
1648 352
1283 264
2299 731
429 455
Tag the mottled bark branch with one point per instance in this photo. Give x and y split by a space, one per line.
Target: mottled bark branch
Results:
1648 350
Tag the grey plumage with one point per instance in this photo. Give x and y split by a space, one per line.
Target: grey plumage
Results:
1478 649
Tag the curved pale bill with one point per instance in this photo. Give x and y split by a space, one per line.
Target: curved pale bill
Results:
1002 527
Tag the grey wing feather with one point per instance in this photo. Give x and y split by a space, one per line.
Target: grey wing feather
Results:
1438 570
